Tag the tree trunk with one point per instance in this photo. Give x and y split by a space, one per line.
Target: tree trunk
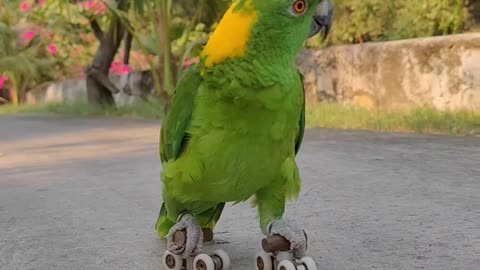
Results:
14 87
14 95
100 89
166 56
128 48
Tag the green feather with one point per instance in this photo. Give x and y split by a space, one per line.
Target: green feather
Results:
302 120
178 117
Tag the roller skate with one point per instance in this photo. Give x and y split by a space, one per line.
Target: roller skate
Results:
276 255
184 257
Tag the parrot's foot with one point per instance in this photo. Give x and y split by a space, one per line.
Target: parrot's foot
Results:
185 238
184 242
292 233
284 248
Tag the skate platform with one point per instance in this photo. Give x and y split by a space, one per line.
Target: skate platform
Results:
84 193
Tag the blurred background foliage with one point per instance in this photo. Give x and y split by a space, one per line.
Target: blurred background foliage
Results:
358 21
47 40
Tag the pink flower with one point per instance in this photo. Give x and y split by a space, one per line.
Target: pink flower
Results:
190 62
28 36
3 79
115 66
101 8
96 7
52 48
49 34
41 2
24 6
90 4
126 69
119 68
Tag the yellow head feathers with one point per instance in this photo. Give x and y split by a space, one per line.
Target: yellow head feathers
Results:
232 34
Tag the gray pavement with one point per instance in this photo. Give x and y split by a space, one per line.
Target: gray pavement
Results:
85 193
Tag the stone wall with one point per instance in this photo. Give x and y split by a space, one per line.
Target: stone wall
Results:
443 72
133 86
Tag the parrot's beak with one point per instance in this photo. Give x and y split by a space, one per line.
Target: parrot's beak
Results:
322 19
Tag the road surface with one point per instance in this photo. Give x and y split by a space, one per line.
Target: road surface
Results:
84 193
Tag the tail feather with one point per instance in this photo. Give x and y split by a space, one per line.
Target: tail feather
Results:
163 224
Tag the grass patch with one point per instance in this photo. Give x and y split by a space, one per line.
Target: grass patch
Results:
324 115
422 120
145 110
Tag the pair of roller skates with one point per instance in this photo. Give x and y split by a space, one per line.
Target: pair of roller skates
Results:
276 255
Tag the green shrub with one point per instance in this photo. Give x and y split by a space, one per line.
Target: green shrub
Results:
415 18
358 21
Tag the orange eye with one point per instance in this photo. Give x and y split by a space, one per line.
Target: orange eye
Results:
299 6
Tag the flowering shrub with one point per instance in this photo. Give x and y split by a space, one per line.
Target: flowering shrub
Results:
29 53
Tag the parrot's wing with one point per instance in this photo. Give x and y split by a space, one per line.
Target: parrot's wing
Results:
172 136
302 119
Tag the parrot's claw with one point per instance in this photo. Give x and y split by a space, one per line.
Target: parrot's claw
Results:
291 232
284 248
183 248
192 236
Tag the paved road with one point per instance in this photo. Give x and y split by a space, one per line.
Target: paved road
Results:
84 194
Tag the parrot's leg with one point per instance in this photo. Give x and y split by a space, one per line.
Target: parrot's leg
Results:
194 236
184 238
207 220
271 206
173 210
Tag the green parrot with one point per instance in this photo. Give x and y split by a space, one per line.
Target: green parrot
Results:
237 120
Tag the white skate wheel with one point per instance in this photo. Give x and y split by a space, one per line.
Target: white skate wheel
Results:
171 261
203 262
224 258
309 263
286 265
263 261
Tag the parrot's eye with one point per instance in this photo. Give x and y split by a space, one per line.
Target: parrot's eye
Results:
299 7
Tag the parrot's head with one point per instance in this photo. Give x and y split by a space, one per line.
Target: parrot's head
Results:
267 29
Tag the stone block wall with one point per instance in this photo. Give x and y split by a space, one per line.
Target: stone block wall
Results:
443 72
133 86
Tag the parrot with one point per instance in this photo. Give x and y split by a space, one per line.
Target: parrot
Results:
236 122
